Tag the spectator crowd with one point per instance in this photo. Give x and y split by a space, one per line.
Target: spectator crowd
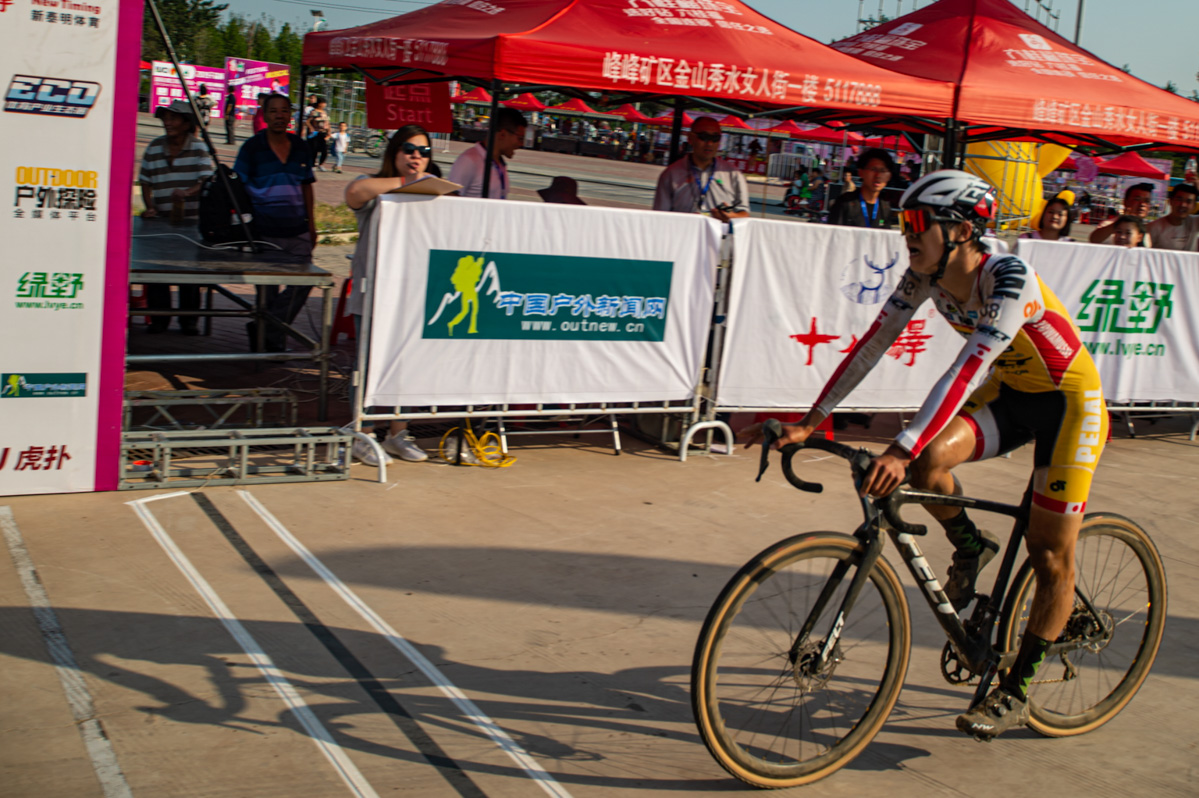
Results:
277 169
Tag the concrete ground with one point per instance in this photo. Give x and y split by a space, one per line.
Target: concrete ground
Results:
510 632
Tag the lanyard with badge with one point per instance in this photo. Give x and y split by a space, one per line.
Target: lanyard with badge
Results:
870 220
703 190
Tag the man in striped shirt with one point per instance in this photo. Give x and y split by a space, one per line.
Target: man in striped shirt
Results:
173 168
174 165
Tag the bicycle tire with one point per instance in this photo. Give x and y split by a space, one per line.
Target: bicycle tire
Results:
740 699
374 146
1112 552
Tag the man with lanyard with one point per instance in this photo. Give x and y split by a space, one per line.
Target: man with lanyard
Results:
863 206
700 182
469 169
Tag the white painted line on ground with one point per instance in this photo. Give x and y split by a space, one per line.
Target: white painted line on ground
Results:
99 747
345 768
468 707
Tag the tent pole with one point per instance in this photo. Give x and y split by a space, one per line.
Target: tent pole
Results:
495 107
300 103
949 145
676 130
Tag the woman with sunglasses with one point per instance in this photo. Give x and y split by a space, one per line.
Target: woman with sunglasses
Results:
1055 220
407 159
1023 375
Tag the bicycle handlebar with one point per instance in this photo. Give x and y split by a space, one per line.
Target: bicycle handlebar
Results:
859 461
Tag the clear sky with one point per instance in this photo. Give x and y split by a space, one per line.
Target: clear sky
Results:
1160 44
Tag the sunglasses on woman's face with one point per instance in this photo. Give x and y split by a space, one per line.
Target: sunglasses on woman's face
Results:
711 138
409 148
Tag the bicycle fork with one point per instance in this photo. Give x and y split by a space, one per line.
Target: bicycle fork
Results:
873 543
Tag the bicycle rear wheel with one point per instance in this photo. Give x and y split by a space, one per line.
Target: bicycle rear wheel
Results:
1119 570
765 708
375 145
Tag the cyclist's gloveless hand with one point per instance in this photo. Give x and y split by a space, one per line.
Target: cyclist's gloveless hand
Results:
792 433
886 472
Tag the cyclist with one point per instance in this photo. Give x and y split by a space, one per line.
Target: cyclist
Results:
1022 375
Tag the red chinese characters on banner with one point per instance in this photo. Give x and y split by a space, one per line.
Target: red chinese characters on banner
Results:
424 104
35 458
910 343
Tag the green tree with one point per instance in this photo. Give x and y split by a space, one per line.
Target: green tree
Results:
262 43
289 48
1171 87
184 21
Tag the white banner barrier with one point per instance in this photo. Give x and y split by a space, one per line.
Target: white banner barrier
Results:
485 302
1134 310
800 296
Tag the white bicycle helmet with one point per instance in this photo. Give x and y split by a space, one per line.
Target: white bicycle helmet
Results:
955 196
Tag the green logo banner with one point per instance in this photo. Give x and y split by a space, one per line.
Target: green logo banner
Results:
40 386
516 296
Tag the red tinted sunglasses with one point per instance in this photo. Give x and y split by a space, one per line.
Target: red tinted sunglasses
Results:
915 221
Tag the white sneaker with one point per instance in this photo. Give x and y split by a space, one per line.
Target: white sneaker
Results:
451 452
404 447
364 453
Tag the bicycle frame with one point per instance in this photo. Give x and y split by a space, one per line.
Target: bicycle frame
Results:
975 649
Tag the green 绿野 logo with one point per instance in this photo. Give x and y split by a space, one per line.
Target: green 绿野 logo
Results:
1114 306
519 296
41 386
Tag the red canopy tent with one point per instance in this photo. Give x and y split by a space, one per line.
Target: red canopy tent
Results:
732 122
1017 77
477 95
725 52
1068 165
631 114
1131 164
525 102
826 135
894 143
668 119
576 107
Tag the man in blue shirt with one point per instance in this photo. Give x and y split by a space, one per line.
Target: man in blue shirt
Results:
276 168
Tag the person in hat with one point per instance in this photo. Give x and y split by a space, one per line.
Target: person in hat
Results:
562 189
1054 220
864 207
173 169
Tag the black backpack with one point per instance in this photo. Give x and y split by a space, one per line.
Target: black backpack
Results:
218 210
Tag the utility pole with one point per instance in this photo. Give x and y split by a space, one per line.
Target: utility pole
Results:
1078 23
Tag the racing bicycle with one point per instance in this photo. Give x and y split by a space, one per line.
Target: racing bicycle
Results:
804 653
371 142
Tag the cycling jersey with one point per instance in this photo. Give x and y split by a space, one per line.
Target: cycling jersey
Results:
1014 325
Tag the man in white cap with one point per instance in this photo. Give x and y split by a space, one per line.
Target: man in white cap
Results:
174 167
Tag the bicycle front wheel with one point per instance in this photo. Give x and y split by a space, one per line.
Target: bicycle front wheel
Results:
770 708
375 145
1119 570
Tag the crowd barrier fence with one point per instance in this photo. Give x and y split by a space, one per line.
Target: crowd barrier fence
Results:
757 317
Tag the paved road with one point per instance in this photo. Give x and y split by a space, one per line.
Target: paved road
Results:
561 597
601 182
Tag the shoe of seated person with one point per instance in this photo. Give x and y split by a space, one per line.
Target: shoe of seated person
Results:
364 453
403 446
